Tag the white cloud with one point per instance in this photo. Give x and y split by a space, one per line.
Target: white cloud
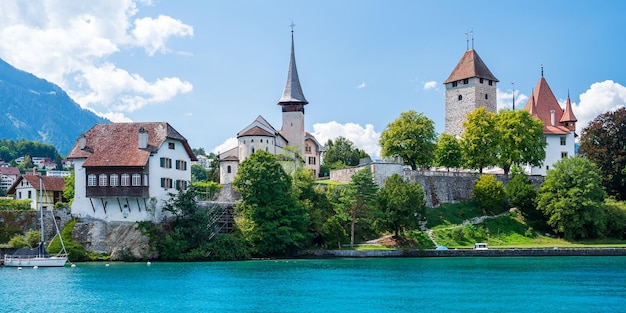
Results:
430 85
79 38
505 99
361 85
151 34
600 98
226 145
365 138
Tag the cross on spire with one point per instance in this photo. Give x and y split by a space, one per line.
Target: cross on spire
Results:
292 25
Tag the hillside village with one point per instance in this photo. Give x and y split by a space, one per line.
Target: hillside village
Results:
129 172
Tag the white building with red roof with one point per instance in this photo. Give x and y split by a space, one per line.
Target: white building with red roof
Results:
559 125
35 187
260 135
126 171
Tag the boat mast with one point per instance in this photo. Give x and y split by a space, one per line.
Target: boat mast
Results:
41 210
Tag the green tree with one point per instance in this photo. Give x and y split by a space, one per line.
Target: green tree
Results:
268 215
333 231
190 231
402 205
213 174
342 153
571 198
521 139
489 194
358 199
411 137
198 151
68 188
603 142
27 164
448 152
480 139
198 173
522 195
314 200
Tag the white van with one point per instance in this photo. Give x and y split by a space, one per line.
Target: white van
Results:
480 246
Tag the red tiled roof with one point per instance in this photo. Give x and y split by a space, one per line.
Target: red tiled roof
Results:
541 104
470 65
117 144
256 131
568 115
10 171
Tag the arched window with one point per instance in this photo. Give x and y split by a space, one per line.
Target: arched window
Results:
91 180
228 169
252 149
136 179
114 180
460 97
102 180
125 180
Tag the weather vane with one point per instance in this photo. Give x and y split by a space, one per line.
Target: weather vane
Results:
292 25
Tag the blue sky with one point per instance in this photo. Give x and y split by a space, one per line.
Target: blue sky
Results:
209 68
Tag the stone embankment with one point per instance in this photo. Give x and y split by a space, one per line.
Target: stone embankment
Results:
534 252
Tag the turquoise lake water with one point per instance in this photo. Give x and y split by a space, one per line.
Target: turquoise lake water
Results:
541 284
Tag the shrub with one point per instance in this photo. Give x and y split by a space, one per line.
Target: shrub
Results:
522 195
489 194
18 241
75 251
16 205
227 247
615 217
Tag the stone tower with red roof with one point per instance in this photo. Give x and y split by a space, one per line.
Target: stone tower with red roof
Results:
559 125
470 85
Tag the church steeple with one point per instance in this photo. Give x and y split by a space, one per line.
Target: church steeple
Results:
292 94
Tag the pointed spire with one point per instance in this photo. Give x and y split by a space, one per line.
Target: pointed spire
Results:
568 116
292 94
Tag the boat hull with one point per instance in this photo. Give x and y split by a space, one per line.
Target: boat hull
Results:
53 261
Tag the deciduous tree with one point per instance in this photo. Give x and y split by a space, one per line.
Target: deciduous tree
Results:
448 152
342 153
571 198
489 194
401 203
603 142
268 216
358 199
411 137
520 139
480 139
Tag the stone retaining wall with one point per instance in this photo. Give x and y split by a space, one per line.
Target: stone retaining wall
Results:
462 253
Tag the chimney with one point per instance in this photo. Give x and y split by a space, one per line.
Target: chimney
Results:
143 138
552 117
82 141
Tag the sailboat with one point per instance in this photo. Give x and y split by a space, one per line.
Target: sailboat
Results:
38 256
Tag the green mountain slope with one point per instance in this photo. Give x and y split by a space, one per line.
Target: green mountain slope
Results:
34 109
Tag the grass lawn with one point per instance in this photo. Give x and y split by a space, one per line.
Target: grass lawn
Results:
508 231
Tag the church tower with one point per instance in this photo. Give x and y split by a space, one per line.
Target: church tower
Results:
470 85
292 103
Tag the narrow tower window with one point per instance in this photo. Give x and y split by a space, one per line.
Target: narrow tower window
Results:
460 97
